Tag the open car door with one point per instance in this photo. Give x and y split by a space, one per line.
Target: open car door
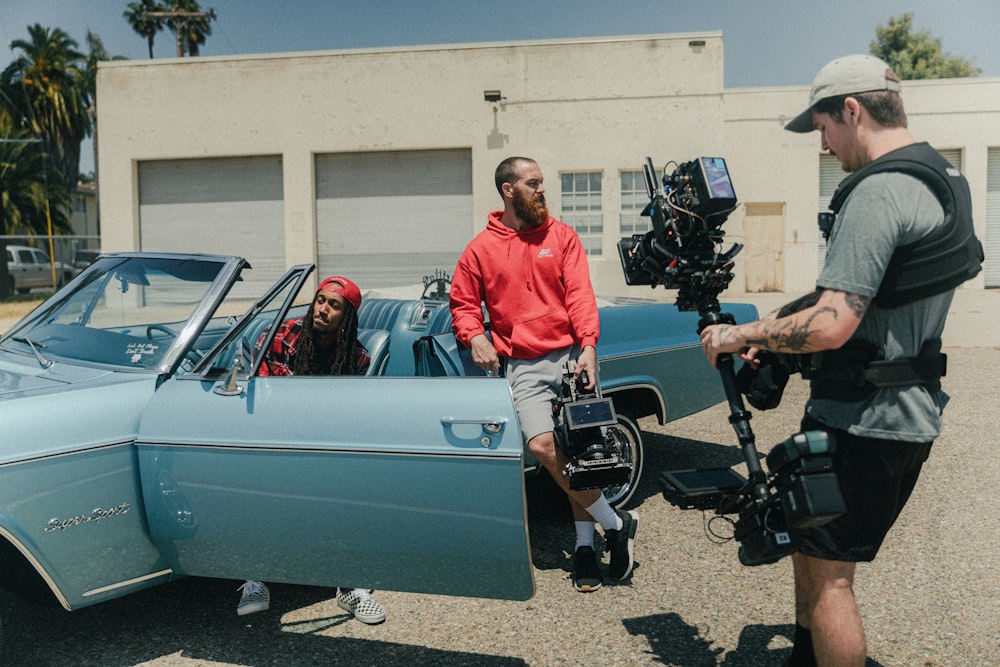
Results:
407 484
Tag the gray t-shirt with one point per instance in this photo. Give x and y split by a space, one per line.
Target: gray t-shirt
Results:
883 212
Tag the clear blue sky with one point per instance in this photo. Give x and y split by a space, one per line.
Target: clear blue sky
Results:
766 42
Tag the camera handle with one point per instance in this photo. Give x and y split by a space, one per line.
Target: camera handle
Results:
739 417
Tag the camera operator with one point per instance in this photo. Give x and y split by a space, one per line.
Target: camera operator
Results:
874 316
531 272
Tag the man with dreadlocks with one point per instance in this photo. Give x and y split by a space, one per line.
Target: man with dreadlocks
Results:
324 342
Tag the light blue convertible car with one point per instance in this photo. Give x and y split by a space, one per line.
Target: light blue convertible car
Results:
138 445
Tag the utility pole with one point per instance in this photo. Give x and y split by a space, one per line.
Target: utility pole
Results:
181 24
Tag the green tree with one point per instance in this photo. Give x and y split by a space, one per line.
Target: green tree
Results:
29 181
184 18
917 55
146 26
43 87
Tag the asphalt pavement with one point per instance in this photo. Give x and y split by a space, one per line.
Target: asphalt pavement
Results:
930 599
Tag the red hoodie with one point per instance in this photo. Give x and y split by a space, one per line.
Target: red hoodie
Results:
536 286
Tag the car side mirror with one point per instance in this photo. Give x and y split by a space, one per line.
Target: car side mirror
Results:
231 388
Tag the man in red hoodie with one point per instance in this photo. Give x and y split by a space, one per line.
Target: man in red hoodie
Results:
531 272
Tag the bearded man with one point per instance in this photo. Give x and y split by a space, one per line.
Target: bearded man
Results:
531 272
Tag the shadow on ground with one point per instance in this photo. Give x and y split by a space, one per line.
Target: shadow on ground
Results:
194 618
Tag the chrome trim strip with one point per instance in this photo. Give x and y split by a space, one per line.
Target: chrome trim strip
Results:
475 454
128 582
72 452
644 353
38 568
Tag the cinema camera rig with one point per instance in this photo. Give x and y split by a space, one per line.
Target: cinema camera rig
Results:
683 251
587 431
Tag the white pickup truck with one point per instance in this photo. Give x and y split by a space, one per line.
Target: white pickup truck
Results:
29 267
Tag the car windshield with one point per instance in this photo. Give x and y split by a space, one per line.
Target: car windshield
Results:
125 311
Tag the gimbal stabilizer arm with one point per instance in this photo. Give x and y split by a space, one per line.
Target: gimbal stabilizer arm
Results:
739 417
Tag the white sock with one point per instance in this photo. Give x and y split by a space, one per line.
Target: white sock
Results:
584 534
605 514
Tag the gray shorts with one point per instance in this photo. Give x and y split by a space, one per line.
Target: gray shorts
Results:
534 384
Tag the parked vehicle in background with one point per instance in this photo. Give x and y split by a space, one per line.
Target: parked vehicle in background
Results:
84 257
29 267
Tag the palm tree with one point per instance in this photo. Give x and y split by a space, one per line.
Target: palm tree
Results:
43 85
30 191
146 26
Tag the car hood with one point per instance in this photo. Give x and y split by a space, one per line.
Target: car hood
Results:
20 376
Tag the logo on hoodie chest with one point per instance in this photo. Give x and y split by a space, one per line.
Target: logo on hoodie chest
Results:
545 252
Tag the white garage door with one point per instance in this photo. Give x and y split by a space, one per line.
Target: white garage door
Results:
389 218
226 206
991 269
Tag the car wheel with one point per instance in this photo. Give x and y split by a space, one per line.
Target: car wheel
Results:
23 290
619 494
7 288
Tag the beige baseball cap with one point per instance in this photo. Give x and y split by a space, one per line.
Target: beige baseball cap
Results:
847 75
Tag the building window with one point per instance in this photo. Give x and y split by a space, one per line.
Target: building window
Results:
634 199
580 207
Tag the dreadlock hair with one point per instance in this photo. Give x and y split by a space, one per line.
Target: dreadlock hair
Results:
344 361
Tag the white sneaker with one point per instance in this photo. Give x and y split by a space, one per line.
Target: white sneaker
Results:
255 598
359 602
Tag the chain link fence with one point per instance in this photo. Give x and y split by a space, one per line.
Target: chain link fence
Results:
45 262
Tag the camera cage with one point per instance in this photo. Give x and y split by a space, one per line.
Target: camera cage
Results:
683 251
586 430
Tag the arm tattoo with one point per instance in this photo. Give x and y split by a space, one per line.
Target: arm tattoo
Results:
791 336
858 304
788 333
801 303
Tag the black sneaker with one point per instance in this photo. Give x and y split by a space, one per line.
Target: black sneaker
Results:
620 543
586 574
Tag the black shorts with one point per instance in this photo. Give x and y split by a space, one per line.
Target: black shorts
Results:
876 479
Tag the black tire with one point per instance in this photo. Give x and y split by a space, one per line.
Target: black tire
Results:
4 615
619 496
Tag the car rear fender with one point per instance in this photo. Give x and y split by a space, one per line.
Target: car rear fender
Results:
637 398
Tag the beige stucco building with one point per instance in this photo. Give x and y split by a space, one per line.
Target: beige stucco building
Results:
378 163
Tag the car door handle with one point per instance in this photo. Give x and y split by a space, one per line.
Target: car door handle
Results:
494 425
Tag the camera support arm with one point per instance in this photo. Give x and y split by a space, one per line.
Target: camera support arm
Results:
739 416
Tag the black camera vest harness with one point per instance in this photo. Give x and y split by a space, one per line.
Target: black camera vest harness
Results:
940 261
944 258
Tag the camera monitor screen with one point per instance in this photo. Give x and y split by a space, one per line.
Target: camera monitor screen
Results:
717 178
716 188
593 412
705 480
700 489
